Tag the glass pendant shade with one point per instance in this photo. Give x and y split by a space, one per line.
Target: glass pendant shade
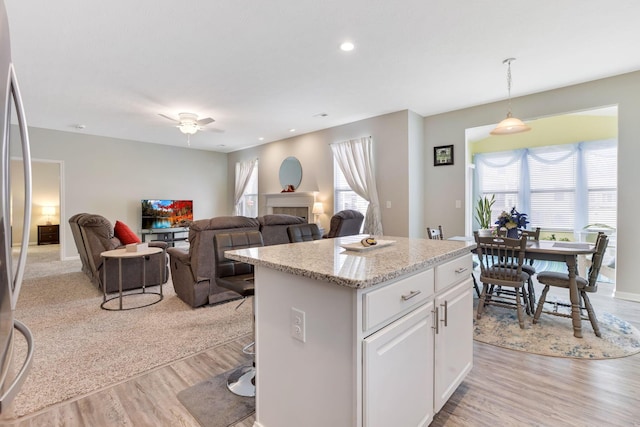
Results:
509 126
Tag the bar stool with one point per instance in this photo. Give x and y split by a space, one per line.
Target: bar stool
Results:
238 276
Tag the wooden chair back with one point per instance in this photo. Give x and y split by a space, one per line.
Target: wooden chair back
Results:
434 234
501 260
531 234
596 262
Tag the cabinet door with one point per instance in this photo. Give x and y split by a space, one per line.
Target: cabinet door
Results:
453 340
398 372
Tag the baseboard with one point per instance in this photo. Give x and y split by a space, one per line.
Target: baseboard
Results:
629 296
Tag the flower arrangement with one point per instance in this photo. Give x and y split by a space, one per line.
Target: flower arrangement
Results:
513 219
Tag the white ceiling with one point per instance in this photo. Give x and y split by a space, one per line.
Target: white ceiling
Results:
262 67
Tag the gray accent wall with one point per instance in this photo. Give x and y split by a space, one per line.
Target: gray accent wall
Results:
446 184
109 176
396 137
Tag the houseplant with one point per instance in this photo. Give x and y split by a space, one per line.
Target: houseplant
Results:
483 214
512 221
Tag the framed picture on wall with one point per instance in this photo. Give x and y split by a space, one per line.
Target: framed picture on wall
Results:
443 155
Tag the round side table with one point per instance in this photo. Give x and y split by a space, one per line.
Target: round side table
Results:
121 254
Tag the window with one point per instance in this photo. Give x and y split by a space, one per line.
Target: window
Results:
248 205
344 196
564 187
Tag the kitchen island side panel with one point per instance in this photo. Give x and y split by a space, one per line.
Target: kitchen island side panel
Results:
312 382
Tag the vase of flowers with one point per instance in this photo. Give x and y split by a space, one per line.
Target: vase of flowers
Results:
511 222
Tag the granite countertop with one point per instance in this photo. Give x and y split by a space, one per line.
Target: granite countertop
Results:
326 260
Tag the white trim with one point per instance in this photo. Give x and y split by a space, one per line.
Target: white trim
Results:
290 200
629 296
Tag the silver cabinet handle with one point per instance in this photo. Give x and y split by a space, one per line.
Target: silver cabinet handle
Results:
437 322
410 295
461 270
446 313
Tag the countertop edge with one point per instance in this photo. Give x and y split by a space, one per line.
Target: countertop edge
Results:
352 283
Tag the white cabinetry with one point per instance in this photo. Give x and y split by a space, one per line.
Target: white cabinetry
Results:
372 357
453 341
454 331
398 372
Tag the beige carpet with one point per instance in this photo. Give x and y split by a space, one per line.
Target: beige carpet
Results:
81 348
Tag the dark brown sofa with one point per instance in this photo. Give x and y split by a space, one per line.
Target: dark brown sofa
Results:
193 271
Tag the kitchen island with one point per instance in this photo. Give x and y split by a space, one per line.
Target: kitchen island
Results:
378 336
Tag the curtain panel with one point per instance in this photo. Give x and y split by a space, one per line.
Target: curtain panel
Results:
355 159
244 170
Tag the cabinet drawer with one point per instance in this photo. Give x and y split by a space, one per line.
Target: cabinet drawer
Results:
384 303
453 272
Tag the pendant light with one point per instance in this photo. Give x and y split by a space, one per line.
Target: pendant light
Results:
510 125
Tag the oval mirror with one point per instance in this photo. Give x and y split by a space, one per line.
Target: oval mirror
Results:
290 173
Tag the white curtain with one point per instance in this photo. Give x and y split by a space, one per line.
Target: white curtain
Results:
243 175
355 159
569 168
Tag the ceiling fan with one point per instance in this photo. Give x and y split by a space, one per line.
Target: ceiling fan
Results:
189 124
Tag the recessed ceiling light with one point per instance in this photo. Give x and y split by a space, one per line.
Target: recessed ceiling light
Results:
292 130
320 115
261 139
347 46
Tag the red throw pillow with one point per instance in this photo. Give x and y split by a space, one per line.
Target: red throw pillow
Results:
125 234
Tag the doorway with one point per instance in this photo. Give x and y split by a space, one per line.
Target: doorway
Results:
46 204
557 174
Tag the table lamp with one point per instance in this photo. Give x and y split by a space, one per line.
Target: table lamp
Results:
317 210
48 211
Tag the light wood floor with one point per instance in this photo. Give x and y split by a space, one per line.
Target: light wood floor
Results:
505 388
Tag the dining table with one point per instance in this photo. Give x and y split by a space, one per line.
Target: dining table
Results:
567 252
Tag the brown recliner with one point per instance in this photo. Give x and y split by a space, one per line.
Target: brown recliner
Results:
194 271
274 227
94 234
303 233
345 223
77 237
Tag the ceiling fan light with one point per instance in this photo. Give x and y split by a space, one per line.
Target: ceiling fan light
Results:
509 126
188 128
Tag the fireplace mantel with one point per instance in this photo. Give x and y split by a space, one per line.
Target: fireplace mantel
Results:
302 199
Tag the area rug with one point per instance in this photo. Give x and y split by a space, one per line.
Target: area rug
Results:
213 405
553 335
80 348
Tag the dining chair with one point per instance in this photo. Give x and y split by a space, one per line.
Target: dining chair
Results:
585 285
527 267
501 261
434 234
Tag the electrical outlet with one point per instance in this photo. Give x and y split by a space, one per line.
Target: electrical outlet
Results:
297 324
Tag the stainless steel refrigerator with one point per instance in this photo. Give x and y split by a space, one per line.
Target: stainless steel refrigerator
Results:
12 372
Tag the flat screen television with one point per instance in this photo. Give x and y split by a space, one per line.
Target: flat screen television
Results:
166 213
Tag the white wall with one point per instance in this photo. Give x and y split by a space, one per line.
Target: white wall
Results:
445 184
109 176
390 134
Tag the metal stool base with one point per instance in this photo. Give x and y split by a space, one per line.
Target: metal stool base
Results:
242 381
